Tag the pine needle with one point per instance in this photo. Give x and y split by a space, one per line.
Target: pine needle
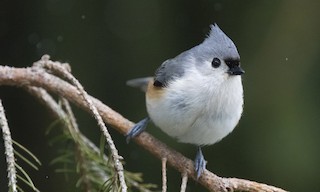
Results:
28 180
27 151
25 160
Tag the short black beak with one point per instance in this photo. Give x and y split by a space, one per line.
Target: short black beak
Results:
236 70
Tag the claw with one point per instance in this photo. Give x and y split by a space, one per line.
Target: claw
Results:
137 129
199 163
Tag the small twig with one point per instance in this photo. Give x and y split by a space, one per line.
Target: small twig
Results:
12 184
47 100
184 182
164 174
59 69
56 109
70 114
79 154
71 124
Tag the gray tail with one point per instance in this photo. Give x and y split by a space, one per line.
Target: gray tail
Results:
141 83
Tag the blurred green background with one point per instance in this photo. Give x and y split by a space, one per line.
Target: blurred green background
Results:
109 42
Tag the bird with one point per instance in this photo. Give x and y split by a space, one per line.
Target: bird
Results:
197 96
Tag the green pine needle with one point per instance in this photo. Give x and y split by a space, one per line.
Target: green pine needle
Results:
63 158
64 170
27 179
27 151
25 160
53 125
29 184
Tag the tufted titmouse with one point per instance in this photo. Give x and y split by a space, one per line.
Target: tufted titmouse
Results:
196 97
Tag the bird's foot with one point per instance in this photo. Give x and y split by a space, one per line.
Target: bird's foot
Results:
137 129
199 163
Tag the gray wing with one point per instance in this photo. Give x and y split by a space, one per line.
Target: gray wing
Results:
141 83
169 70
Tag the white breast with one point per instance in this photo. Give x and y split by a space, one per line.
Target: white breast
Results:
197 110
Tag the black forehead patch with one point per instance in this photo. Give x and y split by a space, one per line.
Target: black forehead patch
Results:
231 62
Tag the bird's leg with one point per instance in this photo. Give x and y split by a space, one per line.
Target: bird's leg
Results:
137 129
199 163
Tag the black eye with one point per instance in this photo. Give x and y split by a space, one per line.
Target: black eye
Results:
216 62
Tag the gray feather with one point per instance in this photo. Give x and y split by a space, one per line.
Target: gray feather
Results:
141 83
219 44
172 68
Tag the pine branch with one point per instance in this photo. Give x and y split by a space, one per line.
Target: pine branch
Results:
64 71
94 166
33 76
